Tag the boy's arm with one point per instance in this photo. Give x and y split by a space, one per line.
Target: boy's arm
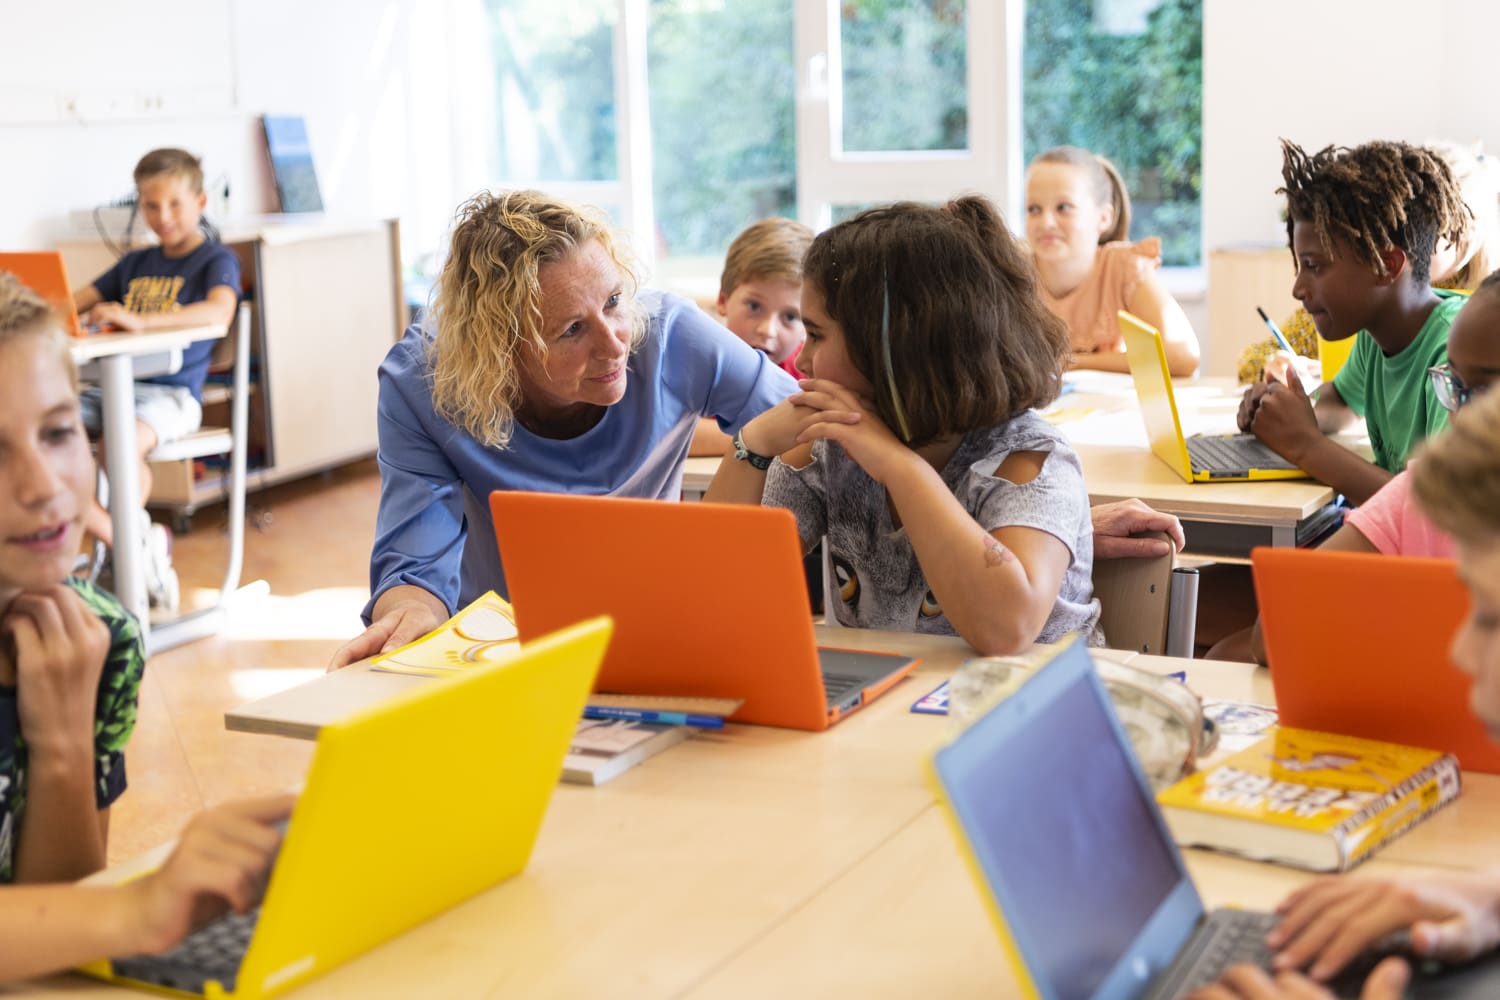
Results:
86 298
60 649
216 309
219 863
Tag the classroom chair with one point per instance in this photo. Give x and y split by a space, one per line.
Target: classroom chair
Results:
233 441
1147 605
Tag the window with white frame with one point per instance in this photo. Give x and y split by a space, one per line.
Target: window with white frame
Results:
1124 78
689 119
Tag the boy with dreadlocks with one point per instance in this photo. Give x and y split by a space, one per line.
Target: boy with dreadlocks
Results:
1363 223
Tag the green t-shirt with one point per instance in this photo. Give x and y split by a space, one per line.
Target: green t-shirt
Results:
1394 394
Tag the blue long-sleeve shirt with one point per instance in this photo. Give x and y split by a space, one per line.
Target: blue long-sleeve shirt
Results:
434 530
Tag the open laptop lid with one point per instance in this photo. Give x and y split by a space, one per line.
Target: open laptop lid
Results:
1065 840
708 600
43 272
418 803
1153 386
1358 644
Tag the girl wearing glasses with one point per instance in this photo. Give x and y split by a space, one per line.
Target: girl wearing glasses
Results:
949 505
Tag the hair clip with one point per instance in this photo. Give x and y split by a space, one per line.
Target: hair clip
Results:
890 371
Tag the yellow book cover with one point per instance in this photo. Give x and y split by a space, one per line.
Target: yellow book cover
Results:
1310 800
485 630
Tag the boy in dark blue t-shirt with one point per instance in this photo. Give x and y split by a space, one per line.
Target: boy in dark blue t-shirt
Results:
187 280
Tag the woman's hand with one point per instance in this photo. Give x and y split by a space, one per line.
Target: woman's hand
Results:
60 647
1330 921
1246 982
220 863
834 413
402 614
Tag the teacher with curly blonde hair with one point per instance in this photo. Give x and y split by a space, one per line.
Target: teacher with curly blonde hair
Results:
539 367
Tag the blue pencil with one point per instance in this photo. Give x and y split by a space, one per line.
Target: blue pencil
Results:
1286 345
646 715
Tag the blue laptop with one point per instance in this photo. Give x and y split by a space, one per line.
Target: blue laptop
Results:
1085 883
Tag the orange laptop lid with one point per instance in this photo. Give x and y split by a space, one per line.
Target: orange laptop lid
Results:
43 272
709 600
1358 644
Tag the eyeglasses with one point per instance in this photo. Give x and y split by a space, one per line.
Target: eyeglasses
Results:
1449 389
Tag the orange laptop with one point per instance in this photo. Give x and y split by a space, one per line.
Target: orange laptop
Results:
1358 644
709 600
42 271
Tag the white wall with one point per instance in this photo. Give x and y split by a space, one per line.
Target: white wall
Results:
375 82
1332 71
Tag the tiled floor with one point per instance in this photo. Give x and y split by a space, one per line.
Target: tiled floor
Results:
314 554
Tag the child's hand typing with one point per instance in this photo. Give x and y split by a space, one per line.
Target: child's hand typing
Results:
60 646
220 863
1330 922
834 413
107 314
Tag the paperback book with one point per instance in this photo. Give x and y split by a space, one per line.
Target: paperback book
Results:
602 749
1310 800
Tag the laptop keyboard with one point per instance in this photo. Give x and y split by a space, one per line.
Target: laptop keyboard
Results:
839 687
1228 937
1236 454
214 951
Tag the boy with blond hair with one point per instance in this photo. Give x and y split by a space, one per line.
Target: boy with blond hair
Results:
188 279
760 300
760 291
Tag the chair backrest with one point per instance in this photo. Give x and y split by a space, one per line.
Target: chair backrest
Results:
1135 600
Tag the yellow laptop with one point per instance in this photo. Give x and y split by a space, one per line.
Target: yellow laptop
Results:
411 806
1202 458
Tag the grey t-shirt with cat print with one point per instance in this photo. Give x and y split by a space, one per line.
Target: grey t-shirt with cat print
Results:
877 581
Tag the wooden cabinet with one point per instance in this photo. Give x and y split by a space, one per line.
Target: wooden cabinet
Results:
1239 279
327 306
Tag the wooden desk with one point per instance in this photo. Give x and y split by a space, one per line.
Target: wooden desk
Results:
1102 421
760 858
113 353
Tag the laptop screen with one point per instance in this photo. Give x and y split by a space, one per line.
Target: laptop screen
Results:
1064 831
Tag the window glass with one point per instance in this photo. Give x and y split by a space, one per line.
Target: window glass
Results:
723 126
554 90
1124 78
905 75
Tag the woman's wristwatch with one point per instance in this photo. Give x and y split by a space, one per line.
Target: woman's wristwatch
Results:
761 462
